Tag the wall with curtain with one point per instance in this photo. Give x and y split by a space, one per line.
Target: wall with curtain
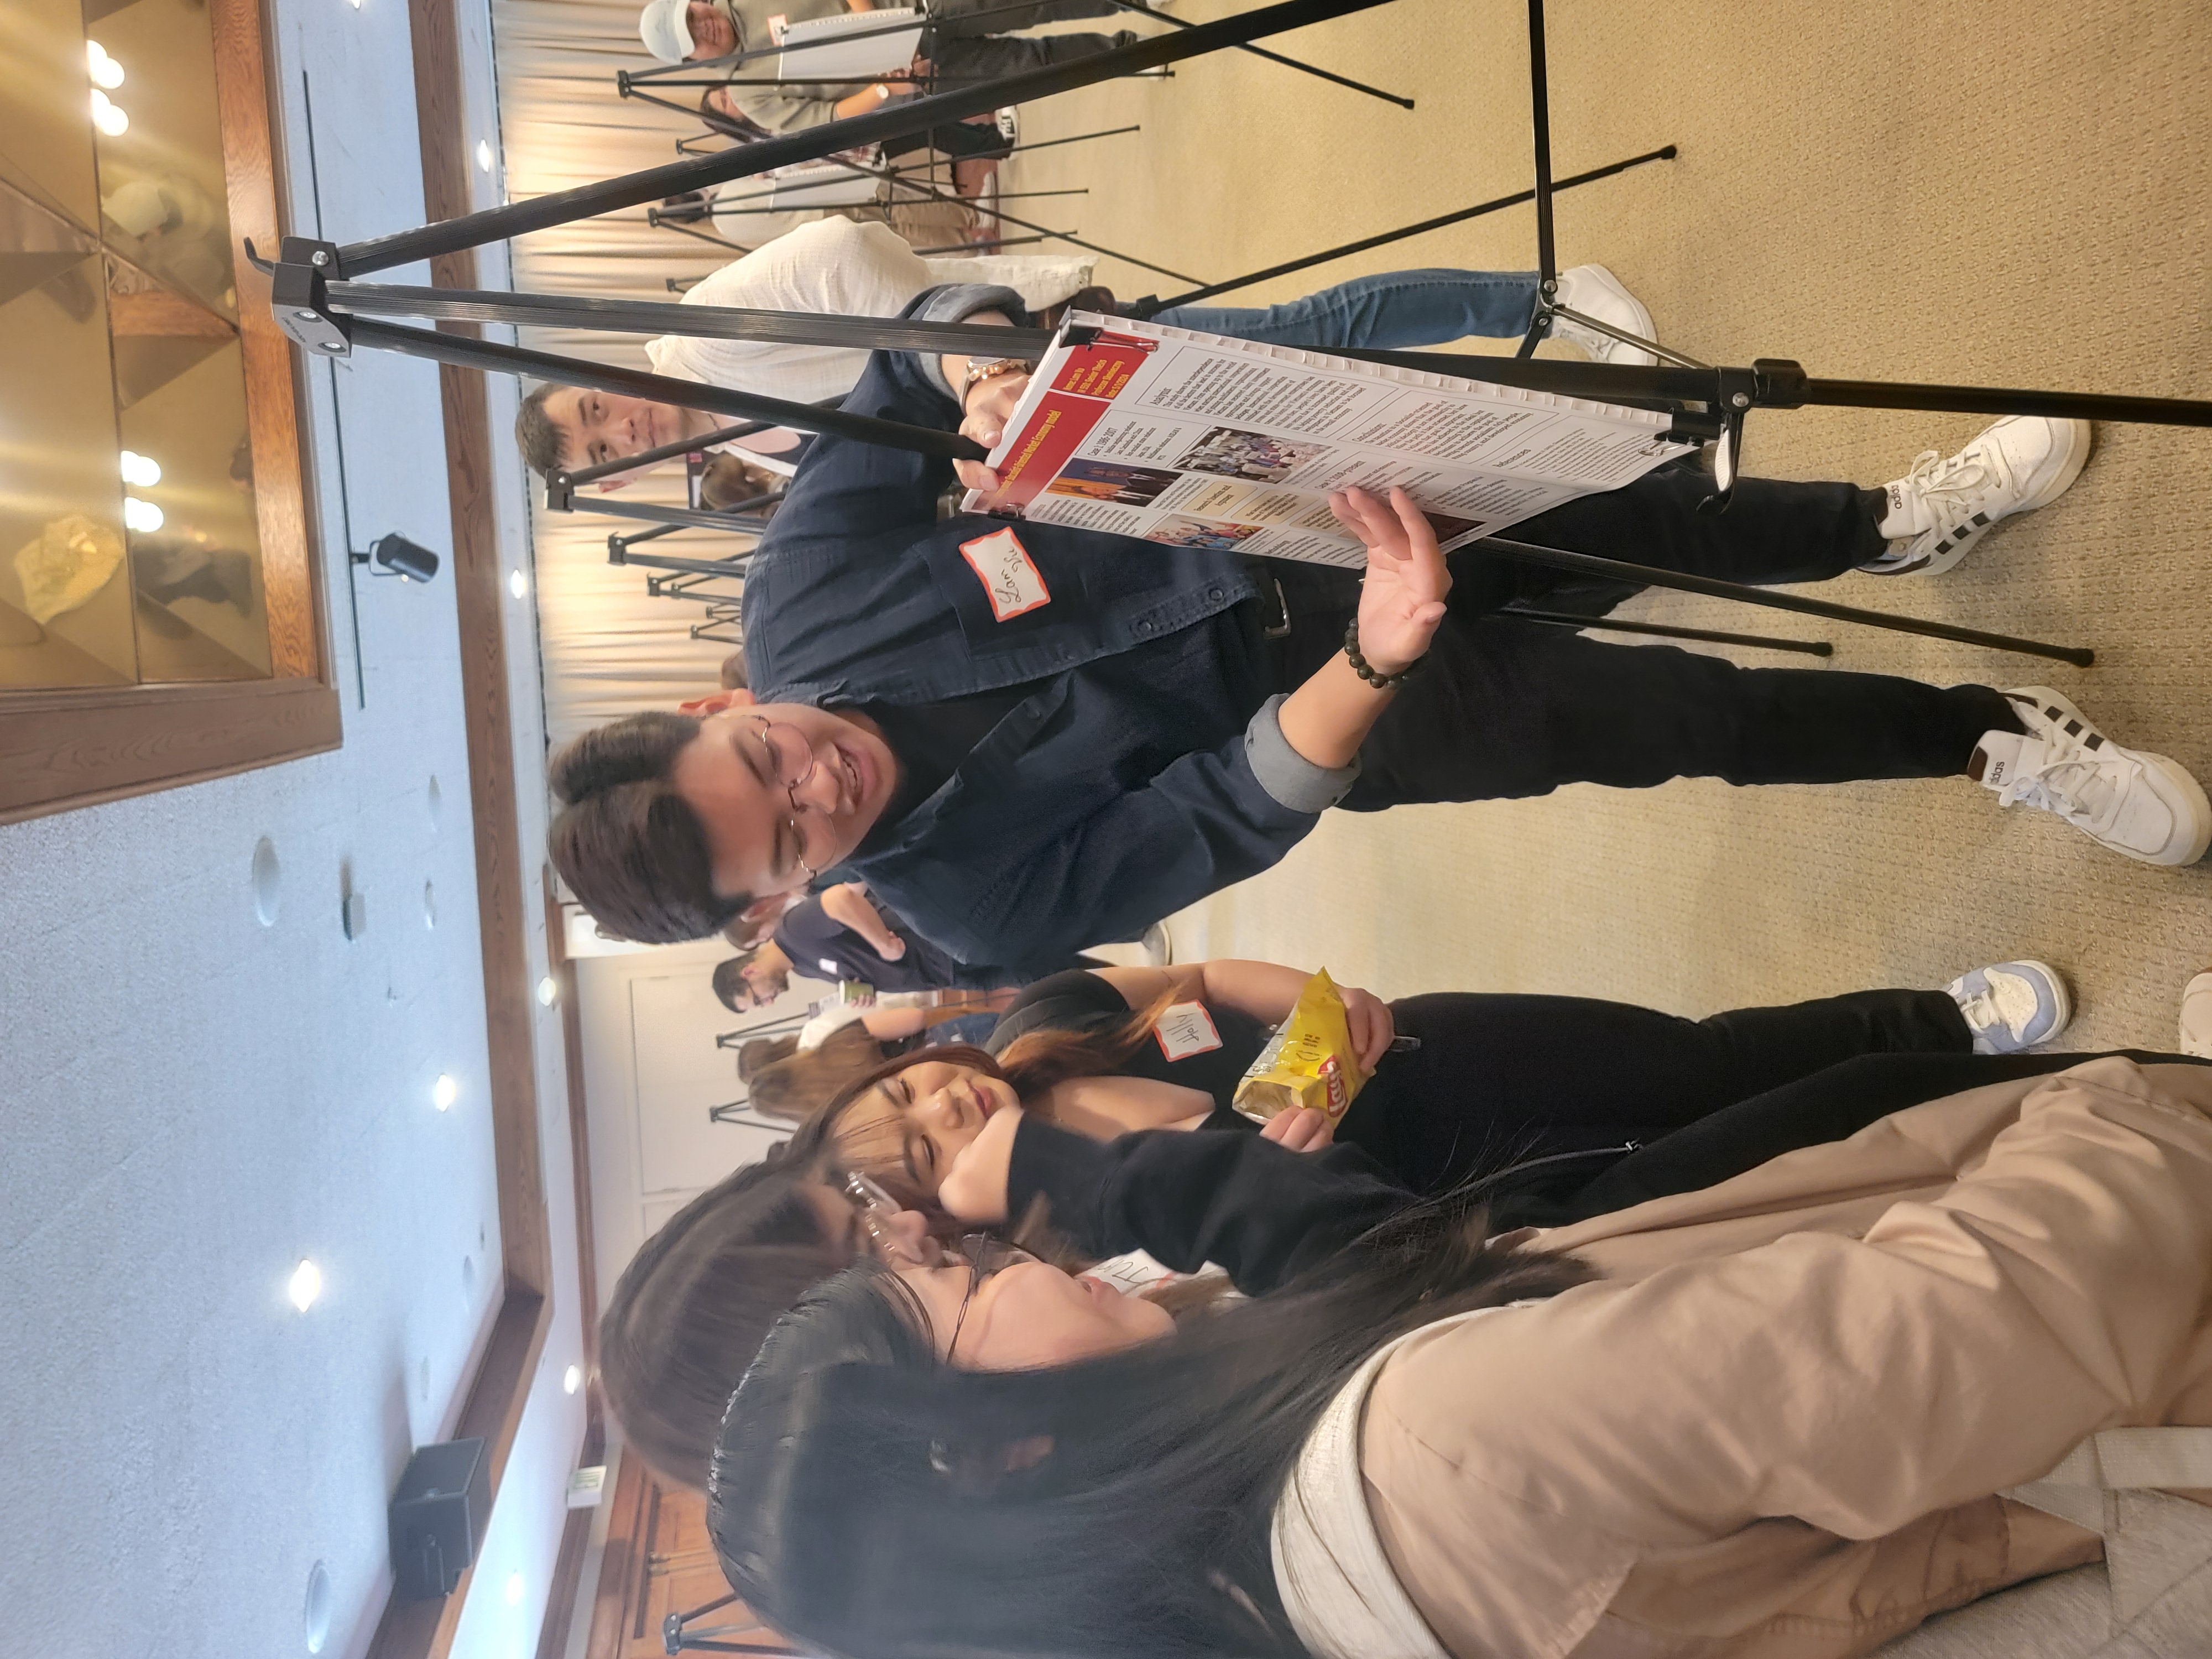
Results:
609 648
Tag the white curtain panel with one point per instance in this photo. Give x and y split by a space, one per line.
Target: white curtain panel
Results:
609 648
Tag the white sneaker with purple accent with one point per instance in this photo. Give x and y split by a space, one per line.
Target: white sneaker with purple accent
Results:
2011 1006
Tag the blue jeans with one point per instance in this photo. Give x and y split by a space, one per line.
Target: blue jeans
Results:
1398 308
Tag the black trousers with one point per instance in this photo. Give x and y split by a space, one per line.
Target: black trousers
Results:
1504 709
1831 1104
1498 1079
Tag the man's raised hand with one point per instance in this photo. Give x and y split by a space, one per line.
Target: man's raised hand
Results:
1402 599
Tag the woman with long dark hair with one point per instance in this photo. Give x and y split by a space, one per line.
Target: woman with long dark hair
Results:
1461 1082
1792 1415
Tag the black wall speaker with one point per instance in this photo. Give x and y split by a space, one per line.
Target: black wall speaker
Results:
438 1516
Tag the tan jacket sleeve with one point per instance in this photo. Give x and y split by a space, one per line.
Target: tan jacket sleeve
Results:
1963 1346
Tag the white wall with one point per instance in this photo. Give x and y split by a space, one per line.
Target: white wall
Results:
651 1073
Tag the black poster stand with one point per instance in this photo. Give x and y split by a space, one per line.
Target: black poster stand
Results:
320 302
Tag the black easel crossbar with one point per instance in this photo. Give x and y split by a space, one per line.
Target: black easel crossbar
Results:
446 305
735 568
893 121
674 518
458 352
666 453
1644 387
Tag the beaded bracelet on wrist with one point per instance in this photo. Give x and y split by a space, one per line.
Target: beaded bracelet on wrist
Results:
1359 666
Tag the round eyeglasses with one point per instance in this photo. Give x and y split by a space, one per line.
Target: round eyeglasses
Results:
791 762
986 1255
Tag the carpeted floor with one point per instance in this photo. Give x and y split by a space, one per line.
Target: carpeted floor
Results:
1991 194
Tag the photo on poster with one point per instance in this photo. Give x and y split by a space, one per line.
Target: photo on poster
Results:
1111 480
1235 453
1197 532
1446 527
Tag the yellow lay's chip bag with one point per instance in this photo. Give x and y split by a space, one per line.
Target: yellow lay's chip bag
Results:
1309 1062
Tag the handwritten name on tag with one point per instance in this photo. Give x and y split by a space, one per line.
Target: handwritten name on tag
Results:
1187 1028
1010 579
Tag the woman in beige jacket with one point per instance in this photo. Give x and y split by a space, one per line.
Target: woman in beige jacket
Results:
1777 1417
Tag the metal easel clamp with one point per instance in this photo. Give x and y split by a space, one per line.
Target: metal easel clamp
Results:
1769 383
298 285
560 494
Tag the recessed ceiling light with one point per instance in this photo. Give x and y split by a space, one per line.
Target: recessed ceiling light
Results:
143 470
444 1093
105 72
305 1286
517 583
108 117
483 154
142 516
547 991
572 1379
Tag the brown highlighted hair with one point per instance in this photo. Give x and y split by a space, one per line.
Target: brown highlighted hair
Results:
1030 1066
689 1313
798 1086
626 844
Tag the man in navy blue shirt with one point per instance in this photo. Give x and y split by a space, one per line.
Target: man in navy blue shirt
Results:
840 933
1019 773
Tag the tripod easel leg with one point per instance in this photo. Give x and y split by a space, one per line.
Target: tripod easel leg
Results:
1590 564
1139 7
1548 263
1668 631
1152 308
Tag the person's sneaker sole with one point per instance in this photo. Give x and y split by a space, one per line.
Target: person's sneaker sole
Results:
2078 441
2058 707
2196 1019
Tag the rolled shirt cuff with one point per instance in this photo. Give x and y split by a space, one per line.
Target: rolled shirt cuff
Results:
955 303
1289 779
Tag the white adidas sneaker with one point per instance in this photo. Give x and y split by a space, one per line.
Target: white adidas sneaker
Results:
1940 508
1596 292
2140 805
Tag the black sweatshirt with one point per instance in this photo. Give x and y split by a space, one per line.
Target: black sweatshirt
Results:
1263 1214
1267 1215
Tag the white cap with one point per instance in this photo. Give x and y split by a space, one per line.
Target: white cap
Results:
666 30
138 207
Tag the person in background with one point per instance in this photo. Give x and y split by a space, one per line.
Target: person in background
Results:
839 933
837 268
956 42
1456 1082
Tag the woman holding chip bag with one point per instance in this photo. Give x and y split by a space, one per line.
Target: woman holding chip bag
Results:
1435 1088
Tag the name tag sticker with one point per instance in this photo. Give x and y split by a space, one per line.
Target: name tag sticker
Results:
1011 580
829 967
1185 1030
